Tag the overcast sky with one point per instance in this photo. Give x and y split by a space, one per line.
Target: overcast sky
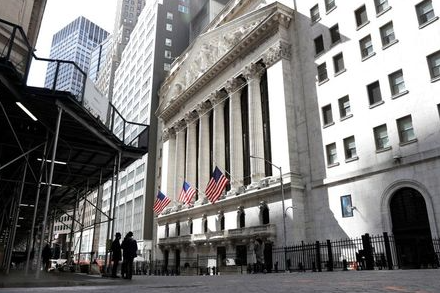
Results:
57 15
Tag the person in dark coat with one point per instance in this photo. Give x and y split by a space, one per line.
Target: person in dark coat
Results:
129 246
116 254
45 255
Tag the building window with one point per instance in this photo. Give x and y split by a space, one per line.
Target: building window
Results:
322 72
329 5
361 16
434 65
338 63
241 218
167 66
331 154
169 16
346 206
350 148
327 116
178 229
183 9
334 34
405 128
168 42
381 5
222 223
205 225
168 54
264 213
374 95
366 46
314 13
344 107
190 227
169 27
425 12
397 84
387 34
167 230
381 137
319 44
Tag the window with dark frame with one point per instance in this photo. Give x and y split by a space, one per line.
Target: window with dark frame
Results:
327 116
381 137
331 154
314 13
338 63
425 11
322 72
381 5
361 16
177 228
344 106
334 34
397 84
405 128
329 5
374 94
319 44
346 206
366 46
167 230
387 34
434 64
350 148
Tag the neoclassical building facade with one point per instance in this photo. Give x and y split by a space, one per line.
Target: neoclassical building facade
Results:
309 155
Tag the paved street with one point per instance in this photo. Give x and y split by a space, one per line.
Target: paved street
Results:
416 281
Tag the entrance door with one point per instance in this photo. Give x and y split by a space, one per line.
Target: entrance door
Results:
411 229
221 256
177 268
166 256
268 256
241 259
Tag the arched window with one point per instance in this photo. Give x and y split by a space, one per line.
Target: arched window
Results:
178 229
190 226
264 213
167 230
204 224
241 217
220 221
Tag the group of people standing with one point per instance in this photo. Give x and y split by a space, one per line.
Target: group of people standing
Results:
129 252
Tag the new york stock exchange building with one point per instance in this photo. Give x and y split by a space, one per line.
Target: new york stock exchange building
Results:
328 167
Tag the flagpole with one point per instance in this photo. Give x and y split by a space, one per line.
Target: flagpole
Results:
224 170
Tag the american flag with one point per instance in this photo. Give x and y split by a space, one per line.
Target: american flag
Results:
187 193
161 202
216 185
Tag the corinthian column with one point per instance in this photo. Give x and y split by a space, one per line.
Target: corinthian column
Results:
218 101
204 172
256 139
233 87
180 157
191 148
170 135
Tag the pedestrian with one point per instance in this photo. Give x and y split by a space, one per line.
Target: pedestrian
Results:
116 254
45 255
129 246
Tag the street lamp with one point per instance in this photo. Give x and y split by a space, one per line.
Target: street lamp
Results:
282 202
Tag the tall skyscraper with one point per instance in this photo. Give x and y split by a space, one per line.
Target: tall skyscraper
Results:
74 42
98 57
161 34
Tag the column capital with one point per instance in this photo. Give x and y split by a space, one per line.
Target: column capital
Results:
281 50
217 97
179 125
168 133
203 107
253 71
233 85
191 117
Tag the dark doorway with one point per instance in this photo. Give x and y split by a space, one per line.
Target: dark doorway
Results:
268 257
241 255
177 268
166 255
221 256
411 229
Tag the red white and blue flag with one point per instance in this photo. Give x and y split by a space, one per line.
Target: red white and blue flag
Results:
187 193
161 202
216 185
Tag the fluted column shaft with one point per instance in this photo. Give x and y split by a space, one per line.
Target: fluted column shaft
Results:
235 134
191 149
171 170
180 158
219 131
256 139
204 172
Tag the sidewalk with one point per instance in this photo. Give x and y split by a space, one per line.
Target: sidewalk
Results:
17 278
